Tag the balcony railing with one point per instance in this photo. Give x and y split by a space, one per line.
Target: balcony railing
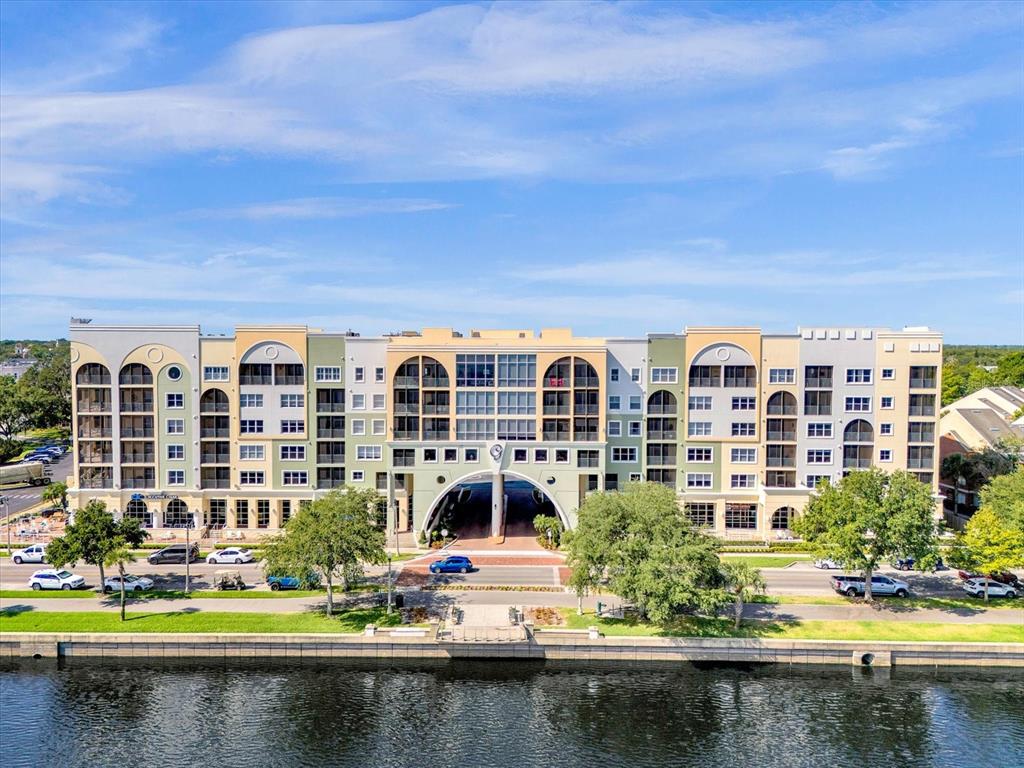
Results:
102 380
97 482
129 482
133 379
661 461
556 410
781 461
330 458
94 406
215 432
556 382
138 458
661 434
330 407
97 458
817 410
818 382
215 483
740 381
856 463
407 381
405 461
290 380
88 433
133 432
128 406
669 410
442 409
782 410
213 408
922 410
785 436
251 380
435 434
920 463
586 381
927 383
407 408
435 382
586 437
215 458
406 434
587 409
330 433
324 484
780 480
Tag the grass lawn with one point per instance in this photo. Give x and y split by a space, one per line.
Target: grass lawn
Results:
177 594
804 630
353 621
766 561
940 603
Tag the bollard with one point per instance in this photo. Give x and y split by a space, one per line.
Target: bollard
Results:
371 630
593 633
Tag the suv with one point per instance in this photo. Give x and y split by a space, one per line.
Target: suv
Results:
976 588
34 554
54 579
174 554
852 586
452 564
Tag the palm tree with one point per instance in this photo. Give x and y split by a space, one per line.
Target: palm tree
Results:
742 582
120 556
57 493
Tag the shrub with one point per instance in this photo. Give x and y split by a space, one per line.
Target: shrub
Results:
549 531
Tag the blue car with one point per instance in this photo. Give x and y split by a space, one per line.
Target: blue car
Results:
452 564
292 582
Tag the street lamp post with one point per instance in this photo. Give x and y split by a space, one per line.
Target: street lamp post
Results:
3 500
389 585
188 553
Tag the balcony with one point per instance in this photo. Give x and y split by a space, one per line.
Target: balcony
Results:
408 434
585 409
215 458
556 382
785 436
138 458
922 410
586 382
781 461
817 410
740 381
780 479
442 409
585 436
127 406
404 461
661 461
214 432
859 463
93 406
782 410
333 458
661 434
407 381
556 410
435 382
255 380
96 458
135 379
215 483
330 407
435 434
138 482
407 408
330 433
926 383
136 432
213 408
95 379
818 382
920 464
326 483
667 410
94 432
551 434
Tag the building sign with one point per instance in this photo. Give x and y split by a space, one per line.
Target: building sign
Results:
156 496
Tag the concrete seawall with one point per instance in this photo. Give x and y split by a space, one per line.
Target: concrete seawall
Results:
563 646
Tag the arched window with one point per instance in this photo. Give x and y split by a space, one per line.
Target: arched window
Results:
136 510
782 404
434 374
213 401
782 518
136 373
93 374
408 373
662 402
177 515
557 374
584 375
858 431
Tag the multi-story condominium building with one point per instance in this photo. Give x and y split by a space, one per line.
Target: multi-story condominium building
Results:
236 432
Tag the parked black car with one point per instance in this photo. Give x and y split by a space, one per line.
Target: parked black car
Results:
174 554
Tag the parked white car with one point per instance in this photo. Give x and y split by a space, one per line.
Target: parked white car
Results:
34 554
976 588
54 579
232 555
827 565
131 583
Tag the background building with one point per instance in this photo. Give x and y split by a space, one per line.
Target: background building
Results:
234 433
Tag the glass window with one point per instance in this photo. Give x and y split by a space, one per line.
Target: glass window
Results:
251 452
430 455
561 456
743 455
368 452
858 375
359 374
885 455
742 481
358 476
614 403
812 481
378 402
781 375
634 374
858 404
743 428
450 455
358 402
175 452
293 401
327 373
698 479
516 371
474 370
175 426
664 375
517 429
358 427
635 402
888 373
743 516
819 429
613 374
251 477
378 374
176 477
698 428
524 403
699 402
701 513
624 455
293 453
885 429
887 402
250 401
215 373
520 455
471 455
474 403
297 477
540 455
614 428
744 403
292 426
474 429
378 426
699 455
819 456
175 400
635 429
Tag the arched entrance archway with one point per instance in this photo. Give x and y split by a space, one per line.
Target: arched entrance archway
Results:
519 492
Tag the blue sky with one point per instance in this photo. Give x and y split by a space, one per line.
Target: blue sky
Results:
617 168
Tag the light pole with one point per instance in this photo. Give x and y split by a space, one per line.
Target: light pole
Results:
3 500
389 585
188 552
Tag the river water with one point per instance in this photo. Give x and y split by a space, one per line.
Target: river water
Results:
480 714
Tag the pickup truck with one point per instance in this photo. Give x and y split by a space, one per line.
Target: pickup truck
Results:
852 586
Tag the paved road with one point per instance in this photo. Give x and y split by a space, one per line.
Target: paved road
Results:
24 496
797 579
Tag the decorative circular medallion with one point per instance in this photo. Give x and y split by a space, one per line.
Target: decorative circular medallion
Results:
722 353
155 354
75 354
496 451
271 352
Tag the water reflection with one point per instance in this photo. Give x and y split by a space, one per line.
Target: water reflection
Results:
485 714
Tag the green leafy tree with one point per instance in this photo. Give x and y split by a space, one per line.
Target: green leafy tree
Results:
14 416
989 545
92 536
640 540
1004 496
549 530
46 387
331 537
742 582
870 516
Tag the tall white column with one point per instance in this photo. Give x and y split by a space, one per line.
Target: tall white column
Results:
497 504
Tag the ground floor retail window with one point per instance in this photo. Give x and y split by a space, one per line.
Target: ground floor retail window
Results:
782 518
286 511
241 513
218 514
263 513
701 513
741 516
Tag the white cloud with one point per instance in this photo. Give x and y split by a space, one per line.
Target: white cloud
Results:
322 208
